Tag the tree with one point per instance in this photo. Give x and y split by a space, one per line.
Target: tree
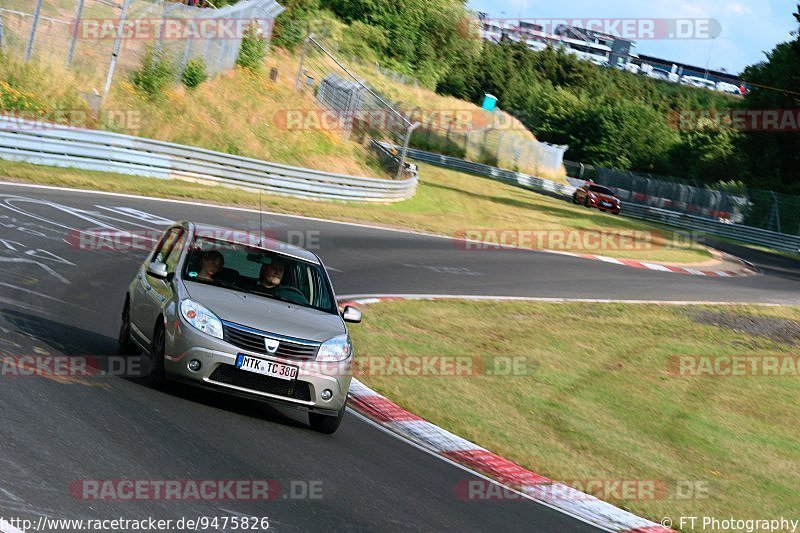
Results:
774 157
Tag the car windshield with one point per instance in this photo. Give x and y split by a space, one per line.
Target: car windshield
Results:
600 190
256 271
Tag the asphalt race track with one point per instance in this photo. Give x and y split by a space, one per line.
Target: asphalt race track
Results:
56 298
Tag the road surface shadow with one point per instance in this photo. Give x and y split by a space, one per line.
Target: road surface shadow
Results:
101 353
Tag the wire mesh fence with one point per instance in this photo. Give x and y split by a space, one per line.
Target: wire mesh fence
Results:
740 205
496 144
101 38
351 107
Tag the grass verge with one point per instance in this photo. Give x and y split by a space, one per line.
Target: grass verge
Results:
447 202
598 400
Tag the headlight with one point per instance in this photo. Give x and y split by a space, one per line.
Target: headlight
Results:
201 318
336 349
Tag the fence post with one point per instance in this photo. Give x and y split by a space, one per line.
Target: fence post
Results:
74 35
303 52
34 25
187 48
403 154
161 27
117 43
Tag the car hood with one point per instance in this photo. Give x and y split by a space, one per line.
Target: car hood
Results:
607 198
268 315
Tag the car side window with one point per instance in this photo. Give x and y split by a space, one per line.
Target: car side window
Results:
166 245
175 253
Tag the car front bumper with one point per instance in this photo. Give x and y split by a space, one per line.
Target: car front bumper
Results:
218 370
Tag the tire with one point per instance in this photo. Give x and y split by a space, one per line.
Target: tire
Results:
155 375
326 423
126 345
586 202
575 199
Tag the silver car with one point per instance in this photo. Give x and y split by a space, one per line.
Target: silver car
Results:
256 319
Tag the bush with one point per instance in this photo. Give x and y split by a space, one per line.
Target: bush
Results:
291 27
13 99
156 72
253 49
362 40
195 73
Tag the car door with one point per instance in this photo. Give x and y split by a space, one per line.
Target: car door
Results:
152 292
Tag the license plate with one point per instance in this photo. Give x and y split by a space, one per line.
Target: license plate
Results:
266 368
605 204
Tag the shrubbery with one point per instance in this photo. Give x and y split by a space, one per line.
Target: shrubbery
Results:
195 73
253 49
156 72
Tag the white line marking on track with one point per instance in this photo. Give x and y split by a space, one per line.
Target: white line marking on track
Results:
303 217
374 298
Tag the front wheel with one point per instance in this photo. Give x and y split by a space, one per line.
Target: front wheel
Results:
575 199
586 202
155 376
327 424
126 345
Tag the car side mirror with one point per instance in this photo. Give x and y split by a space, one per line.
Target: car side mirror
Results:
157 270
351 314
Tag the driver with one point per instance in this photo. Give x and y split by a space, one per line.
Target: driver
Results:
213 263
270 282
271 275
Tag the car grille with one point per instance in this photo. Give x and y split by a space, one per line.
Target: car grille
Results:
253 341
230 375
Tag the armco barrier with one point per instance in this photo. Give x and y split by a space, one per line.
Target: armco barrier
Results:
509 176
738 232
49 144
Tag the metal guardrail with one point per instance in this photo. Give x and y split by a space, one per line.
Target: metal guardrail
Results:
508 176
63 146
738 232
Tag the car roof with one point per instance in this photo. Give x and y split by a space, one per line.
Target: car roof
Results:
264 242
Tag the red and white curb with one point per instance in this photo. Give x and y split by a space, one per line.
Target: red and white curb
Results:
459 450
743 270
468 454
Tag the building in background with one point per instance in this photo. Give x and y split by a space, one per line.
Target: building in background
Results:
605 50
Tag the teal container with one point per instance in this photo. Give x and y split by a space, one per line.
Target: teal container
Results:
489 102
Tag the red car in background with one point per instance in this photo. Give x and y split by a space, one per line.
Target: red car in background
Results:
593 195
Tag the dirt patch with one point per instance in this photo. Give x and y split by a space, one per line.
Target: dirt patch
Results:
778 329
